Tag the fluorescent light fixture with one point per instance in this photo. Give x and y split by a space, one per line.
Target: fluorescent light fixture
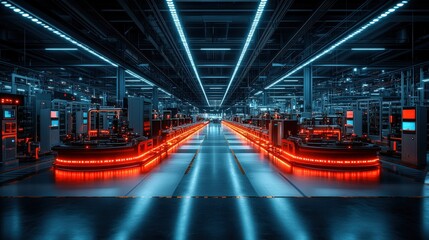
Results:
214 77
215 88
368 49
175 17
278 65
257 93
215 65
364 68
258 15
61 49
342 41
162 90
420 88
139 77
215 49
290 80
56 31
425 80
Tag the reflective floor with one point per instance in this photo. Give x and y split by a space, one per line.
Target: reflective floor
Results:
216 184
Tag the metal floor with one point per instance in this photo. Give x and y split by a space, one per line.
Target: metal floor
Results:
216 184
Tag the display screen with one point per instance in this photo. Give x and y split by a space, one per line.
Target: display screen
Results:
85 121
409 114
55 114
85 115
349 122
8 113
55 123
409 126
349 114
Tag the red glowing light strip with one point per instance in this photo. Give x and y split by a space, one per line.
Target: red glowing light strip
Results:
129 159
330 162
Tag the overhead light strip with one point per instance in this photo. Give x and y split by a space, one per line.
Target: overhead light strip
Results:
368 49
175 17
139 77
45 25
257 93
345 39
258 15
25 14
61 49
215 49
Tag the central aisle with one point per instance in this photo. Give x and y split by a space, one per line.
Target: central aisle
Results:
214 171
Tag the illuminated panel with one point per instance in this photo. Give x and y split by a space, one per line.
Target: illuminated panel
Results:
409 126
8 113
54 114
409 114
349 114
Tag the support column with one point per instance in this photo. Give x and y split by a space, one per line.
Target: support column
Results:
13 87
308 89
402 89
265 98
422 88
120 86
155 98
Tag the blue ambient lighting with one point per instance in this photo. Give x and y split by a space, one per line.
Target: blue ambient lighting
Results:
175 17
368 49
215 49
246 44
56 31
369 24
139 77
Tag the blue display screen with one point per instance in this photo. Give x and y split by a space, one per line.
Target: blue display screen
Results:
84 114
408 126
55 123
85 121
349 122
8 113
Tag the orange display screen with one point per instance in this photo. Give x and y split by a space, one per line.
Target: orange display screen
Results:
349 114
409 114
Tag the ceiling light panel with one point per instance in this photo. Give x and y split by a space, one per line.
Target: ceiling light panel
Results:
374 21
179 28
255 22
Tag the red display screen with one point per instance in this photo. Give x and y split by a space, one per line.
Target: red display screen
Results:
54 114
349 114
409 114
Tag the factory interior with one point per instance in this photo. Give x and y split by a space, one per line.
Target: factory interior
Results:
209 119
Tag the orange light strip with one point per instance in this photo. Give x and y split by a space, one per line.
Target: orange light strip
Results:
305 160
111 162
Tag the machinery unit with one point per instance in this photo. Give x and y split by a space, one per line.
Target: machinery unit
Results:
276 132
353 123
414 130
49 129
8 138
81 122
138 114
